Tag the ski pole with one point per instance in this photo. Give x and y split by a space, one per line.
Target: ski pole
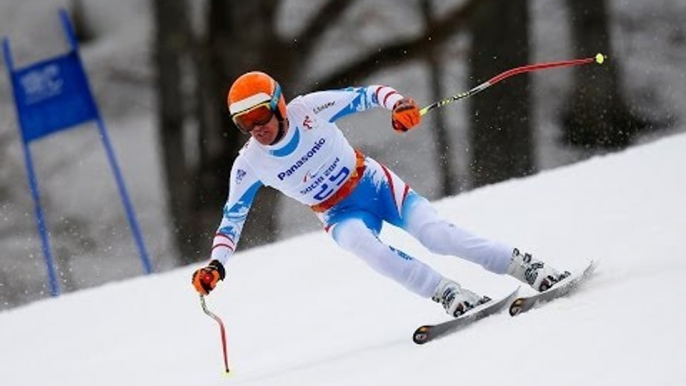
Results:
221 330
599 58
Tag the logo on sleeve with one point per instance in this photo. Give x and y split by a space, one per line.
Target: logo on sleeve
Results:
240 174
323 107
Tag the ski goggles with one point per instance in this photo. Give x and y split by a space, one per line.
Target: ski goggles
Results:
255 116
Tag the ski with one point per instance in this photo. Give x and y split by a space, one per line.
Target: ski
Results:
563 288
428 333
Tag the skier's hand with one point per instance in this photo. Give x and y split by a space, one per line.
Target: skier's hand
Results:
405 115
205 279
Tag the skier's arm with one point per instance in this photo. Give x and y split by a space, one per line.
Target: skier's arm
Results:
335 104
243 188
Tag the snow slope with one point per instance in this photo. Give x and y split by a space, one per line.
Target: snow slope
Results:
89 232
302 312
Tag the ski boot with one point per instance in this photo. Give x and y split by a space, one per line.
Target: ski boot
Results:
534 272
455 299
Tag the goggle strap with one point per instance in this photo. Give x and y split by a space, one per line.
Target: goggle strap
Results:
275 98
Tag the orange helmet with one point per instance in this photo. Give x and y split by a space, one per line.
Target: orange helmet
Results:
255 89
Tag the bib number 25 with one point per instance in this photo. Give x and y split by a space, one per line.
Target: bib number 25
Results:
334 181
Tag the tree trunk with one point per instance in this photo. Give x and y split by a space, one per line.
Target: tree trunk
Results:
171 49
598 116
444 159
501 138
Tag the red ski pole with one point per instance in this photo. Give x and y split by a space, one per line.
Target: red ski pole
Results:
599 58
221 330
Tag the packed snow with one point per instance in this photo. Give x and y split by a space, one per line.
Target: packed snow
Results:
303 312
90 236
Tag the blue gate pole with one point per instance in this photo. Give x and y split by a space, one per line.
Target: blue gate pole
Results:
128 207
33 184
42 227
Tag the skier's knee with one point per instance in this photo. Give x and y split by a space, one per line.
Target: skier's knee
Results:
357 240
435 236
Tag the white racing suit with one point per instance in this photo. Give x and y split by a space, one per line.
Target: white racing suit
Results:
353 195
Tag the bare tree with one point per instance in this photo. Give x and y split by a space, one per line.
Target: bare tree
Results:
398 52
501 136
172 42
598 115
445 162
82 28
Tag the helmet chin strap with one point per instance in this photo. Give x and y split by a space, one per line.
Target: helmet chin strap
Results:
280 133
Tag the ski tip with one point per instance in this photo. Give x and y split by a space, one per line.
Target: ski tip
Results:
421 336
516 306
590 268
600 58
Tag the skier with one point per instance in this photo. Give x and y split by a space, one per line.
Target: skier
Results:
299 150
